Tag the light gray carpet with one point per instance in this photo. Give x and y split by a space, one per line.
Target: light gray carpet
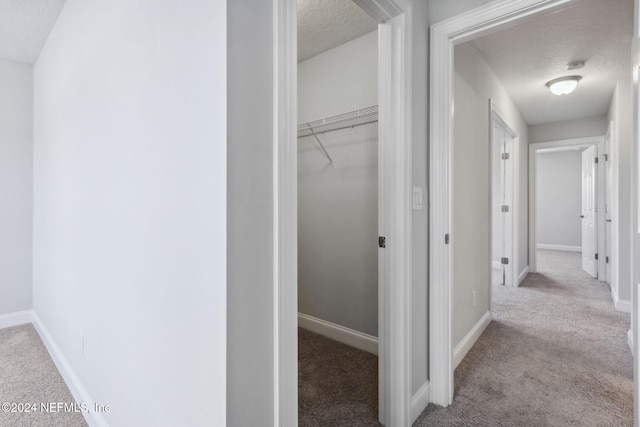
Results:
337 384
28 375
555 354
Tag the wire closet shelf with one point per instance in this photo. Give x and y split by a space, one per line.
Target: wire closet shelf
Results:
351 119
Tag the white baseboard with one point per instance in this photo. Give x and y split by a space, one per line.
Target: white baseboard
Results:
619 304
79 392
419 401
523 274
15 319
622 305
559 247
470 339
630 340
347 336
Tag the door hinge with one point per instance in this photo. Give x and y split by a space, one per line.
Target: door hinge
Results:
596 256
504 261
504 208
446 239
606 157
596 160
382 242
606 260
505 156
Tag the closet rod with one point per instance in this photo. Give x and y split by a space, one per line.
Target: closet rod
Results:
351 119
324 150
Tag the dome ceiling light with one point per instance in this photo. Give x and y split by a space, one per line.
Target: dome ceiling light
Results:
563 85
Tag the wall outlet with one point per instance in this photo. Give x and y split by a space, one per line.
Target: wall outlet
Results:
473 297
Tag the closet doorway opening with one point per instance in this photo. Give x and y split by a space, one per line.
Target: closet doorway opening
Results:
338 205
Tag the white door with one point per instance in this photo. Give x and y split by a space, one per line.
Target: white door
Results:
589 211
502 203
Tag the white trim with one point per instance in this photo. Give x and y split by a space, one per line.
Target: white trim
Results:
395 214
559 247
15 319
339 333
523 274
619 304
623 305
630 341
79 392
470 339
285 216
444 36
419 401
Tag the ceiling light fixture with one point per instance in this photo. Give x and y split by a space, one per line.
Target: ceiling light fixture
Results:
563 85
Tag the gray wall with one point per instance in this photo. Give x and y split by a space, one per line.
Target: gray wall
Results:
250 380
419 225
559 198
130 205
474 85
338 207
16 186
569 129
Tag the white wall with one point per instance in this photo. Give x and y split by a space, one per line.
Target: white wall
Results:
569 129
339 80
338 207
559 198
250 303
474 85
16 185
130 205
621 138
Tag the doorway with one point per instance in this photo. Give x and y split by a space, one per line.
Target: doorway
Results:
338 209
565 191
444 37
503 139
394 141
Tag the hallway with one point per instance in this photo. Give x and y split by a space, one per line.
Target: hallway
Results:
555 354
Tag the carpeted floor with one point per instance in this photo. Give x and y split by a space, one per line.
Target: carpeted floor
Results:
29 376
555 354
337 384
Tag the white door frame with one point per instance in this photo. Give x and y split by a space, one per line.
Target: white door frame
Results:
562 145
444 36
395 91
510 233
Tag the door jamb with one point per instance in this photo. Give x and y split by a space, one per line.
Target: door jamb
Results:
444 35
598 141
395 116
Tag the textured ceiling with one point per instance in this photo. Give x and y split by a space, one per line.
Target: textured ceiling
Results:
526 56
325 24
25 26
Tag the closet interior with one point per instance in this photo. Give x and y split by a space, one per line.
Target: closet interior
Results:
337 214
